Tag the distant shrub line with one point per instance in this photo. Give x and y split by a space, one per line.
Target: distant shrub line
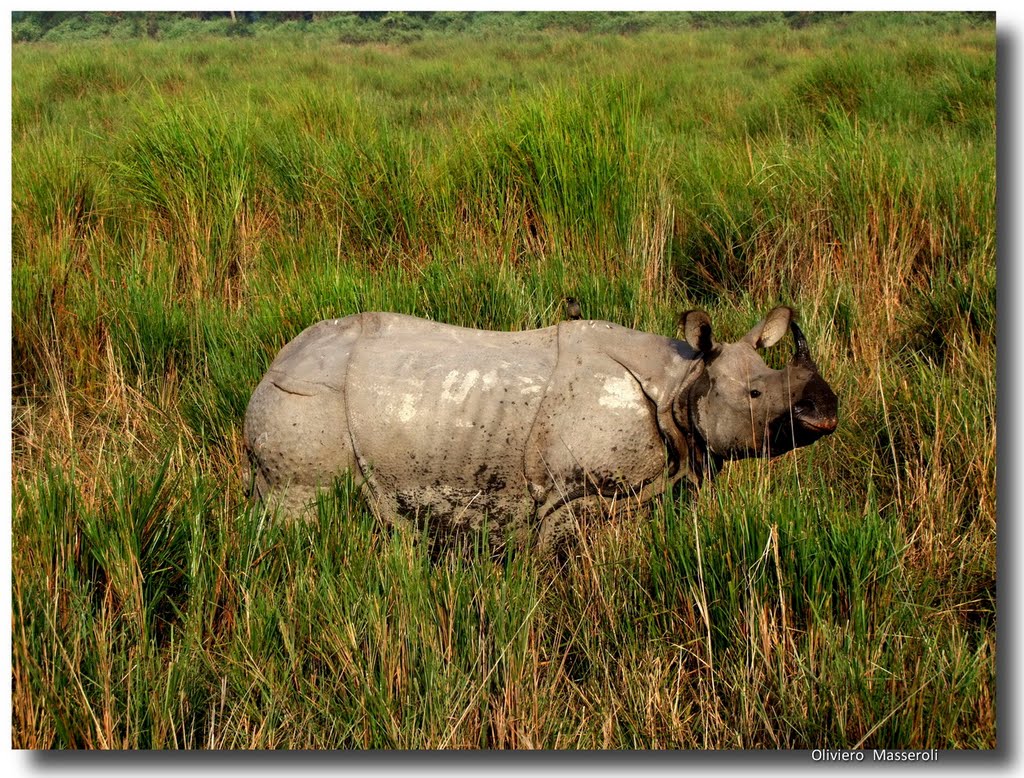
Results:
401 26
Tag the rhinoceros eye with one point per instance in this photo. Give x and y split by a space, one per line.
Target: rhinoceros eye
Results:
755 393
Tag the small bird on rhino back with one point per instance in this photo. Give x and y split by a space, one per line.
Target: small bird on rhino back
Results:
573 312
525 431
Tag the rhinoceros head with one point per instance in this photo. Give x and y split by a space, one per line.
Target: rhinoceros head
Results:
741 407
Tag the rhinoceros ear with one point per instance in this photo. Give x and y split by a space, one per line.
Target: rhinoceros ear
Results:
697 330
771 329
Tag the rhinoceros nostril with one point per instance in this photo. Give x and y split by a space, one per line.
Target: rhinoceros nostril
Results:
804 408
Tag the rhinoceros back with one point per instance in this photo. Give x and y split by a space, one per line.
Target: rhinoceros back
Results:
440 416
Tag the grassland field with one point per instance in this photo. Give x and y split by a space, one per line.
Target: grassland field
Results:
182 208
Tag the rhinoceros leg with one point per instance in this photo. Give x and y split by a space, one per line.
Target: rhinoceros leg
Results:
560 526
560 518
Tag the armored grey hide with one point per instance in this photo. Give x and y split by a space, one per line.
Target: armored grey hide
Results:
521 429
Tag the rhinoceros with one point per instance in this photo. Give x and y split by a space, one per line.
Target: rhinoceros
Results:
521 430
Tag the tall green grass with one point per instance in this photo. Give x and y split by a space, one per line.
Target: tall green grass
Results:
182 208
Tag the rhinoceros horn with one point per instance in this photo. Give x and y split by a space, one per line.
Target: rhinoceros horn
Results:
801 354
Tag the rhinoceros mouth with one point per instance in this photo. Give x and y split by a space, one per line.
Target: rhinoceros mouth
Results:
821 426
799 432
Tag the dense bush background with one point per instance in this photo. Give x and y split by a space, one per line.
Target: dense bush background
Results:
403 27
